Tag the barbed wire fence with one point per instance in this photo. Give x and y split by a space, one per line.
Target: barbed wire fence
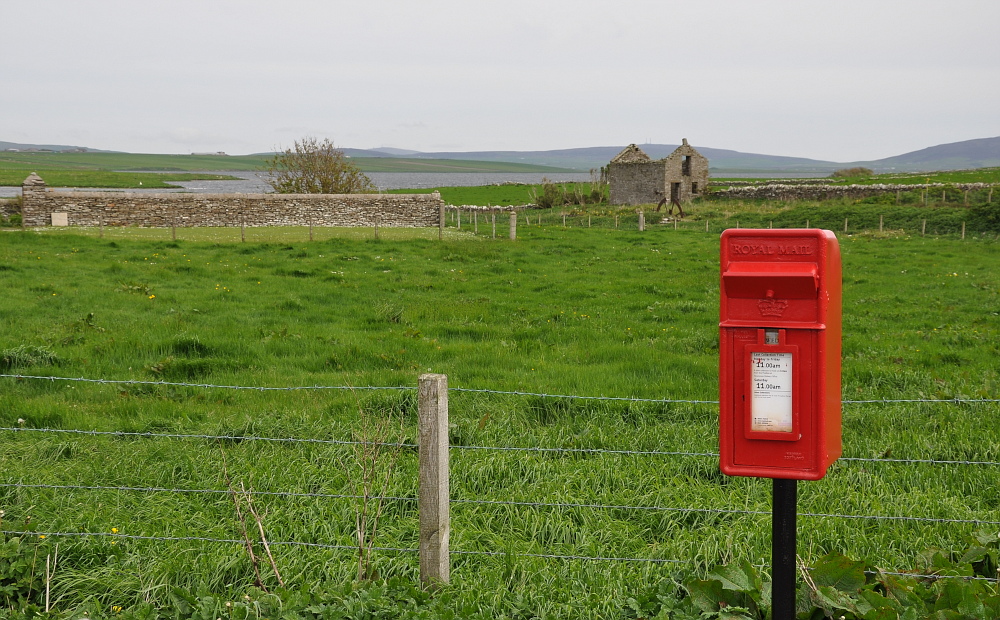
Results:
434 413
483 220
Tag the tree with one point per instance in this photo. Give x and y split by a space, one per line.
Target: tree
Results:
315 167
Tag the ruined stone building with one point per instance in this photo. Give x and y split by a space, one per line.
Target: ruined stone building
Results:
634 178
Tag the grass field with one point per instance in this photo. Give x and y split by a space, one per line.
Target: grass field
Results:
572 311
108 178
130 170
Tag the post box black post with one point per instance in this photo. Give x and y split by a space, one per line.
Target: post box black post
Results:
784 497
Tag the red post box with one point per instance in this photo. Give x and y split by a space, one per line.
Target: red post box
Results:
779 353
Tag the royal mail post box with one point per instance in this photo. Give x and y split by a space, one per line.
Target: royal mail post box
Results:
779 353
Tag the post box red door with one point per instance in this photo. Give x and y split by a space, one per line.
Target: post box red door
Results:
779 353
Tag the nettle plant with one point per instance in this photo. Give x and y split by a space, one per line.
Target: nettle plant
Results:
943 586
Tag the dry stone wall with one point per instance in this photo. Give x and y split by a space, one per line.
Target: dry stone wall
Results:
183 209
8 208
789 191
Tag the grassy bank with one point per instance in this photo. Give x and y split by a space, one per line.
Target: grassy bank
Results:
108 178
132 170
572 311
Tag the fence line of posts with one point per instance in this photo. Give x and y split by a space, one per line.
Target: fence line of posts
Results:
586 220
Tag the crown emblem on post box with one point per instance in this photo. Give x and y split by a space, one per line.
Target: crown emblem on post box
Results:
772 306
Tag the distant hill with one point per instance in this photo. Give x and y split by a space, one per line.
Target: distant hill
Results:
588 158
7 146
979 153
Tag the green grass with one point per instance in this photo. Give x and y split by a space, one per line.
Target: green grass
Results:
497 195
560 311
108 178
127 162
120 169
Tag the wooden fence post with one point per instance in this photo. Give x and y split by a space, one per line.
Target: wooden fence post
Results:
845 224
458 214
923 227
376 229
441 221
493 216
243 228
616 220
642 220
513 225
963 230
881 219
433 494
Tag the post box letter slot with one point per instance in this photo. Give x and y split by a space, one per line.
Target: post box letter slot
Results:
786 280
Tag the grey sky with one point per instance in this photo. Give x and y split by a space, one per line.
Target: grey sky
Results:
839 80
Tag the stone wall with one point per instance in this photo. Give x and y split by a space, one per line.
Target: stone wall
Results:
636 183
184 209
8 208
788 191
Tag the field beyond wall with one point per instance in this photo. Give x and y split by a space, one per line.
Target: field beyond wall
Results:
576 311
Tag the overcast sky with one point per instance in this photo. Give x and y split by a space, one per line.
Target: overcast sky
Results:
838 80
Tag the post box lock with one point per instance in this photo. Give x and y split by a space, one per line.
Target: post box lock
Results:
779 362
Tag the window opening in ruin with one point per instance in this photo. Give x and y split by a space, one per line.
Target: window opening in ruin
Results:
694 188
686 166
675 192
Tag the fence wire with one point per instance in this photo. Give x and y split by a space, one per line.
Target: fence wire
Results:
237 438
483 502
562 505
956 400
553 556
348 442
209 385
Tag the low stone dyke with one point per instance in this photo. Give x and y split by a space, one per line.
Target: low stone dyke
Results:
185 210
787 191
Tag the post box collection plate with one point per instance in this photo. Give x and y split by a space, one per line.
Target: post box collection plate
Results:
779 353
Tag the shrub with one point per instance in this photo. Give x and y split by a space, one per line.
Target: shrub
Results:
552 195
852 173
27 355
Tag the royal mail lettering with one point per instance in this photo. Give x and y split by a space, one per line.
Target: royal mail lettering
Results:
765 249
751 249
799 250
